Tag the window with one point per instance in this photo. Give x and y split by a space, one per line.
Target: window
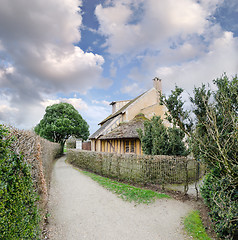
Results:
130 146
127 146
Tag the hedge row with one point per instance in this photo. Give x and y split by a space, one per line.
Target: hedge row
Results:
137 168
26 165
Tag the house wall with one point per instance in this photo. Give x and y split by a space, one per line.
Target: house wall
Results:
148 104
119 146
118 105
93 142
156 110
98 145
149 101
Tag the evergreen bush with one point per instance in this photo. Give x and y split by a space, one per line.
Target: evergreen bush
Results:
157 139
222 199
213 132
19 215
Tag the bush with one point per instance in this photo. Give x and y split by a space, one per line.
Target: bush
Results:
222 199
19 216
213 135
71 143
157 139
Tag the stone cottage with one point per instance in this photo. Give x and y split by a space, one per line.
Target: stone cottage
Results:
118 132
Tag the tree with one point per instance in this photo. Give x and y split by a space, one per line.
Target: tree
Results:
160 140
214 140
60 122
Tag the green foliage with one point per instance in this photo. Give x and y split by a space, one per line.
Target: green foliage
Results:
127 192
222 199
60 122
177 114
194 227
213 141
19 217
159 140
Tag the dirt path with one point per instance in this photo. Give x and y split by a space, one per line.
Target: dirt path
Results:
81 209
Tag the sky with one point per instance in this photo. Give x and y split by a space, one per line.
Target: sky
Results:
91 52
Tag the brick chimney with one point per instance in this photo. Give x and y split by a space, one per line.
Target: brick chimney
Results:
157 84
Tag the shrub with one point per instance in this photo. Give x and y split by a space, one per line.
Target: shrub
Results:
71 143
157 139
213 135
19 216
222 199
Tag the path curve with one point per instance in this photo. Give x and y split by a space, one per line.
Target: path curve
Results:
81 209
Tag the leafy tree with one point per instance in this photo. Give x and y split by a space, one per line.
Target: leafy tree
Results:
214 135
60 122
176 145
160 140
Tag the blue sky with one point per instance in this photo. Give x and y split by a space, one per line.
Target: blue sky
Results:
92 52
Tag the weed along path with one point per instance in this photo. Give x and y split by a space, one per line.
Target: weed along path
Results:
81 209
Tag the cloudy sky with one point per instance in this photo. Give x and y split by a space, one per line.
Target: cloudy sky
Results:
92 52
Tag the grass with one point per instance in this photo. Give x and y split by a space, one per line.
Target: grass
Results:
127 192
65 149
194 227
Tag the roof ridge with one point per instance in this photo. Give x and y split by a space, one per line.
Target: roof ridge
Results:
122 108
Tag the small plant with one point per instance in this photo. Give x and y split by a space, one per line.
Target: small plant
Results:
194 227
127 192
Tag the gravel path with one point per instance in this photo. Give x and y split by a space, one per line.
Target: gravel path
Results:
81 209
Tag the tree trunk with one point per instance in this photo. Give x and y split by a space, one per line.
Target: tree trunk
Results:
62 146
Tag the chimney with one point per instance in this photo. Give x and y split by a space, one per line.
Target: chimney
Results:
157 84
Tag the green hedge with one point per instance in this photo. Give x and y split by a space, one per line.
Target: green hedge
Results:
222 199
136 168
19 215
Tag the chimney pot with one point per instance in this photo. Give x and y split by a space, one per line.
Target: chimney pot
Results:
157 84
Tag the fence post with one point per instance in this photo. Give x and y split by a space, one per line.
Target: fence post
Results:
197 178
186 177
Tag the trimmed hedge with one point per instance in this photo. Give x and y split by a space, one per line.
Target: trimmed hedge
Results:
19 215
137 168
36 159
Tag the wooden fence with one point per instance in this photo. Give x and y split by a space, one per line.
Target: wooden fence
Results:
138 168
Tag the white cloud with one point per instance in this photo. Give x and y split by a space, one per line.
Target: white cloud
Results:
103 102
39 56
178 41
132 89
78 103
221 57
38 39
96 114
161 20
